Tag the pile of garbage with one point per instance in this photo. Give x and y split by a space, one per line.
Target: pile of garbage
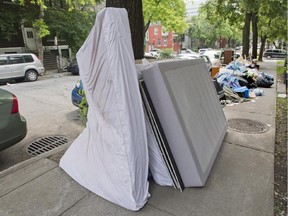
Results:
240 80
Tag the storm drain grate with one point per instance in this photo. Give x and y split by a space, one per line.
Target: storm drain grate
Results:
45 144
247 126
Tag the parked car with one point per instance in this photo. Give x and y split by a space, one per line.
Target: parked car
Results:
187 51
275 53
23 66
77 93
202 50
214 56
154 52
196 56
13 127
73 67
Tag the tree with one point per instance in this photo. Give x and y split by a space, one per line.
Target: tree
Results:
170 13
38 21
271 13
136 22
73 26
219 26
272 22
198 30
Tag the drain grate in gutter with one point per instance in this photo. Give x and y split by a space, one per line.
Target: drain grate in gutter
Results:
45 144
247 126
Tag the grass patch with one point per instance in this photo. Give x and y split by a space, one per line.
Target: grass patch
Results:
280 69
280 159
280 62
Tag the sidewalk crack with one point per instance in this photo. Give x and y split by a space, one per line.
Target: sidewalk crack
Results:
74 204
249 147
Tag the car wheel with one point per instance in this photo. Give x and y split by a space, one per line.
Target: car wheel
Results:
31 76
268 57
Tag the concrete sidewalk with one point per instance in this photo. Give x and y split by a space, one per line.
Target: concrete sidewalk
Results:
240 183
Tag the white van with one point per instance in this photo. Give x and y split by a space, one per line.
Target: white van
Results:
20 66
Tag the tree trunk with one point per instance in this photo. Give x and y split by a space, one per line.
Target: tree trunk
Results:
146 26
275 45
255 34
136 21
38 38
262 47
246 35
229 42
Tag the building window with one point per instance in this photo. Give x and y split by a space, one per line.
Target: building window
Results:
165 42
29 34
159 42
156 31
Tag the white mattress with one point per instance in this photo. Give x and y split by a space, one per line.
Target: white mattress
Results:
110 157
190 113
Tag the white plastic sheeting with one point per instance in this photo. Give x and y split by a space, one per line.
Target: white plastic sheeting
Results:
110 157
157 166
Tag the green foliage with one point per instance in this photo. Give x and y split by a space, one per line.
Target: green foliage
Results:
273 22
73 26
83 106
272 15
166 53
280 68
42 27
218 27
170 13
9 23
84 110
11 18
79 4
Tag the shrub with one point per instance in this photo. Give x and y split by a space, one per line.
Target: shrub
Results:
166 53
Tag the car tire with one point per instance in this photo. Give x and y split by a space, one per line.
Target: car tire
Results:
268 57
31 76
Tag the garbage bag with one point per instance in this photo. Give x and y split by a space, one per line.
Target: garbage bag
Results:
265 80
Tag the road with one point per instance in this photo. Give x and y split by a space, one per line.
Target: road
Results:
46 105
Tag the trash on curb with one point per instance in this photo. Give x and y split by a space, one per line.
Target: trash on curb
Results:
282 95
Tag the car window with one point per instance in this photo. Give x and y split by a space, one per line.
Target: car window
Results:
16 59
205 58
28 58
268 50
276 51
213 55
3 60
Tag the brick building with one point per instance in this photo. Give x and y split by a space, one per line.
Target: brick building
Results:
158 38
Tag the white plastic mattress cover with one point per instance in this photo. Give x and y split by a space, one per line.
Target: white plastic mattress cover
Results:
157 165
110 157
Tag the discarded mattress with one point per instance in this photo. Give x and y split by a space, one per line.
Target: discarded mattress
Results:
190 114
110 157
161 161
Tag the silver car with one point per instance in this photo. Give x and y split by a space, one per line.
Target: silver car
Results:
196 56
21 66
